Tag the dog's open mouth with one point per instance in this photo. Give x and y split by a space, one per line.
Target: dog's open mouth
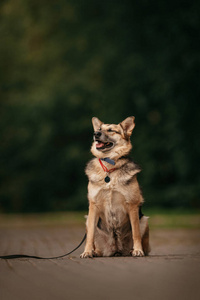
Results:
101 146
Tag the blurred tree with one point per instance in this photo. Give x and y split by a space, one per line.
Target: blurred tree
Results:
62 62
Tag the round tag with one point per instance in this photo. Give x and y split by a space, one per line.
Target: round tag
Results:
107 179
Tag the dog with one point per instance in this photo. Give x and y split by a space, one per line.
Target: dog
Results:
115 224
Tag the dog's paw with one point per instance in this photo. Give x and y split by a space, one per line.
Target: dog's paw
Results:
137 252
87 254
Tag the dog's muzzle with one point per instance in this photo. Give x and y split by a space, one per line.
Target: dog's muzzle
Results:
103 142
97 134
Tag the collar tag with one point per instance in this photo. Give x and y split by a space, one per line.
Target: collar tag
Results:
108 160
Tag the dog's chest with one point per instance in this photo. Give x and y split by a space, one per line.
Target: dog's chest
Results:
109 193
111 204
99 189
114 209
111 198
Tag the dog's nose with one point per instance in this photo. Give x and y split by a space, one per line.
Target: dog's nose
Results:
97 134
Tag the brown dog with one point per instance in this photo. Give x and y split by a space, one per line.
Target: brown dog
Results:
115 224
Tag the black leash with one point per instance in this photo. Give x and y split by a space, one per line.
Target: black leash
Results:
13 256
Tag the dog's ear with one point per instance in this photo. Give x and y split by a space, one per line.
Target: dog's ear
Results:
96 123
128 125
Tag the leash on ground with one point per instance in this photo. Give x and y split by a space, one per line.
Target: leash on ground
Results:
13 256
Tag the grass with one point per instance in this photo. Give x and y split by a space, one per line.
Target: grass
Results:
159 218
173 218
43 219
174 221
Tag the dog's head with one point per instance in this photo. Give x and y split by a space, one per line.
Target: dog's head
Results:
112 140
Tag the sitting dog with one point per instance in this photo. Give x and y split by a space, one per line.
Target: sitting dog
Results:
115 224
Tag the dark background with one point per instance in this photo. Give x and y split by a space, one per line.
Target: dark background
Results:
63 62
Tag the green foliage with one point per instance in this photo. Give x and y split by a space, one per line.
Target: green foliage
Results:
62 62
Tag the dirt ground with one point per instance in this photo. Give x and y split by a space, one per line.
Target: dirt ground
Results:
172 271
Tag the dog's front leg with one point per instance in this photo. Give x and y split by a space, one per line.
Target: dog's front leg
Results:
91 225
134 219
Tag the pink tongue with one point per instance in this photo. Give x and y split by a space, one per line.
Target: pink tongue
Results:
99 145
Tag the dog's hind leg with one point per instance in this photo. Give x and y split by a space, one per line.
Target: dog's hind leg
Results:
145 242
97 253
144 230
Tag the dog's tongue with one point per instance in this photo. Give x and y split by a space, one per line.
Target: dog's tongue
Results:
99 145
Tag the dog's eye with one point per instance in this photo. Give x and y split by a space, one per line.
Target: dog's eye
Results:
112 130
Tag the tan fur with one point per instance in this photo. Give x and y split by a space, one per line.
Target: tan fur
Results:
113 225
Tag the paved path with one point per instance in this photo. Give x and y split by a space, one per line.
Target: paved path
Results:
172 271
